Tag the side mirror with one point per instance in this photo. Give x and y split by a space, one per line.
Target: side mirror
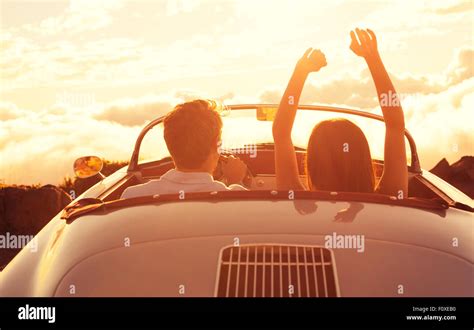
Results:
266 113
88 166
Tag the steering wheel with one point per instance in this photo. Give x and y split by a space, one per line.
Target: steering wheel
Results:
219 174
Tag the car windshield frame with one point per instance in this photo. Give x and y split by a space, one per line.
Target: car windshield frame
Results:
414 167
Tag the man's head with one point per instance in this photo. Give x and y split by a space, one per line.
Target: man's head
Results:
192 133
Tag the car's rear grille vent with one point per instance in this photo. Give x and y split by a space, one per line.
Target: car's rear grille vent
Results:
273 270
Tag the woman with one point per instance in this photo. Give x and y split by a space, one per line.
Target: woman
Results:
338 155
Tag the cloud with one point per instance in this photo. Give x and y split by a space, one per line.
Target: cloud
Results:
462 66
9 111
94 43
354 90
441 124
41 147
176 7
80 16
138 111
459 7
130 113
359 90
24 64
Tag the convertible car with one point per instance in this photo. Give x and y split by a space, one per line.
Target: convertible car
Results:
256 243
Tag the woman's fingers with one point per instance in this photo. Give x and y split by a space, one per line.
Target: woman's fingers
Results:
362 40
370 43
359 35
365 41
372 36
362 36
307 52
354 38
366 36
355 44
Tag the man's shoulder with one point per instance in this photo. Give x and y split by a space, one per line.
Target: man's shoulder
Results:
219 186
159 186
144 189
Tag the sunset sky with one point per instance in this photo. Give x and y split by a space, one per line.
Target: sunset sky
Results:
82 77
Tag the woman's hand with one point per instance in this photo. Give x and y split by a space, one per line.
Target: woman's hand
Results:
366 46
312 61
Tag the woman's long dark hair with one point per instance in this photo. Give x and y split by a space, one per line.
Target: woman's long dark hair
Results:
338 158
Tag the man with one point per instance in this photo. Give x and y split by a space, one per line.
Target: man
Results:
192 133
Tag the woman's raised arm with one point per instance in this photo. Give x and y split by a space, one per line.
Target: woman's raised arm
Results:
394 179
286 166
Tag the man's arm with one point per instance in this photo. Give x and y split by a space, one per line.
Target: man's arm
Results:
234 171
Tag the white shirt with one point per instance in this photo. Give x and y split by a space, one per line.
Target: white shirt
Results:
174 181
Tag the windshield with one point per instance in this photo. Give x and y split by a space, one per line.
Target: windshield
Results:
241 128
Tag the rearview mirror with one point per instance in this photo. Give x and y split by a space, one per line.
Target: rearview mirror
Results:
266 114
88 166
